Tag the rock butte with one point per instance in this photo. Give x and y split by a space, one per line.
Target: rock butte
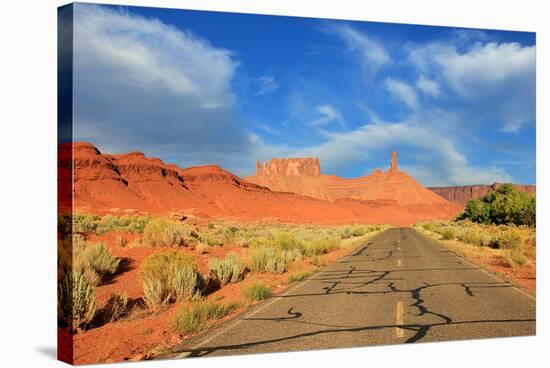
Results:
284 190
303 176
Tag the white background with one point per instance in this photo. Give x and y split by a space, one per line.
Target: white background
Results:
28 180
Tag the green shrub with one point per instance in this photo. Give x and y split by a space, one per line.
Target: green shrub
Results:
510 239
268 259
229 269
322 246
360 231
346 233
84 223
126 223
212 240
94 261
293 255
276 264
257 291
513 257
503 205
474 236
163 233
167 277
260 242
155 293
448 234
517 256
287 241
196 317
76 301
185 283
298 276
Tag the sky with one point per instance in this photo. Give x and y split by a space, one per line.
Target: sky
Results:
196 87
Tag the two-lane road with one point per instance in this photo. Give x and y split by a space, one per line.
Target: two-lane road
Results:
399 287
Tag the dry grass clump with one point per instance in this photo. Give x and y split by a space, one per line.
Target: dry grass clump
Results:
197 316
299 276
168 277
474 236
82 223
76 301
164 233
513 241
126 223
93 260
227 270
322 246
268 259
116 308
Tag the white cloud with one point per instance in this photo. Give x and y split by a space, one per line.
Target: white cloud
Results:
371 55
267 84
491 66
143 84
148 54
428 86
328 115
402 91
494 81
435 157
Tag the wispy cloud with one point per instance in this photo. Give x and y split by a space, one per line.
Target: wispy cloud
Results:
428 86
267 84
328 115
402 91
370 54
485 78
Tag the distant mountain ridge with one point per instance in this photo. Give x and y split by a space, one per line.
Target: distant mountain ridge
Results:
462 194
133 183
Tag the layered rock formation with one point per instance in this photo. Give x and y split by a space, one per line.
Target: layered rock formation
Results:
306 166
302 175
132 182
462 194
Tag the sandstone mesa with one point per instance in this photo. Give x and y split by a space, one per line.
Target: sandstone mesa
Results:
283 190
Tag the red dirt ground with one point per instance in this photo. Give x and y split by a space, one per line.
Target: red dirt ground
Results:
136 337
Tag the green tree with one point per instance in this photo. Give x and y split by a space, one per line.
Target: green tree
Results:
503 205
477 211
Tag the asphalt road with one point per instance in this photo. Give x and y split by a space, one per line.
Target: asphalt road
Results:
400 287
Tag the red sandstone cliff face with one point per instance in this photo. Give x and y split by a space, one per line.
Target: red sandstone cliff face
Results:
462 194
132 182
302 176
393 186
305 166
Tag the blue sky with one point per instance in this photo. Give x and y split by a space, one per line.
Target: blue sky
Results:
204 87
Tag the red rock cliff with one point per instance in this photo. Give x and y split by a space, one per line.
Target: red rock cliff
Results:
304 166
462 194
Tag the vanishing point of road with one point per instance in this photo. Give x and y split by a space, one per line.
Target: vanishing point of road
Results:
399 287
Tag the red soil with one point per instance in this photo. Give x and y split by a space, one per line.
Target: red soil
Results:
135 338
131 183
